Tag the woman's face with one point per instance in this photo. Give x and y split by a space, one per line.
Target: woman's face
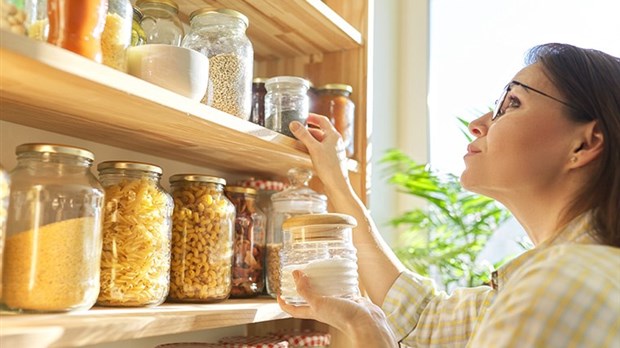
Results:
527 148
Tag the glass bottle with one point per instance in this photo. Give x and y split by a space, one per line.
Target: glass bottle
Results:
220 35
37 24
258 101
116 35
286 101
202 230
248 277
138 36
320 245
298 199
53 244
334 101
4 203
161 22
135 262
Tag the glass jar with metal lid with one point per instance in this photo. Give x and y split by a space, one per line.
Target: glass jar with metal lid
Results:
116 35
248 277
202 239
320 245
135 261
220 35
53 244
138 36
286 101
334 101
4 203
161 22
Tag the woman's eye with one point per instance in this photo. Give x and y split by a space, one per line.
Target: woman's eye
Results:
513 102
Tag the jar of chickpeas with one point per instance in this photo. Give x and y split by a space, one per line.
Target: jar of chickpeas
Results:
135 262
202 239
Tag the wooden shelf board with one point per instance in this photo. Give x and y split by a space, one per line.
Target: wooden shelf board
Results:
112 324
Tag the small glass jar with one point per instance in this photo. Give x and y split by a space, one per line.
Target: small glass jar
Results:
220 35
53 244
37 25
135 262
116 35
202 230
334 101
258 101
286 101
4 204
298 199
248 278
320 245
138 36
161 22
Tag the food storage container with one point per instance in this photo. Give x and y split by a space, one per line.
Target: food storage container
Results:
4 203
286 101
116 35
220 35
321 246
138 36
334 101
296 200
161 22
258 101
53 243
37 24
135 262
248 278
253 342
202 239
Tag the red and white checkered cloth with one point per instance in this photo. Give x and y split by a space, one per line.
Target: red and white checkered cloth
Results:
190 345
265 185
253 342
306 338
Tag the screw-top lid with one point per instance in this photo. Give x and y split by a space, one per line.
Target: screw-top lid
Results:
55 148
170 3
260 79
224 11
129 165
331 219
137 14
240 189
337 86
197 178
287 81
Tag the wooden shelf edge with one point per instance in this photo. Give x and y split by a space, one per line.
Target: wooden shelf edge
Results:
112 324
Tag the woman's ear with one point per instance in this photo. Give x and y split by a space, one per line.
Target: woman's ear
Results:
589 146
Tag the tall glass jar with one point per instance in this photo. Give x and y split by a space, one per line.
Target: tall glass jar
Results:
53 245
135 262
12 16
138 36
202 239
258 101
320 245
286 101
334 101
298 199
37 25
220 35
248 278
116 35
161 22
4 204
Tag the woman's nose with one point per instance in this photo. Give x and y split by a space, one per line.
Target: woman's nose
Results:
479 126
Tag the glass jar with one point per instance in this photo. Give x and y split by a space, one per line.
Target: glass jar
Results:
135 261
4 203
220 35
312 97
116 35
53 241
37 25
12 17
320 245
138 36
258 101
202 230
77 25
161 22
248 278
286 101
334 101
298 199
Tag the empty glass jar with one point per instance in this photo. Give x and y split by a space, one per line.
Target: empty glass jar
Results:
321 246
286 101
161 22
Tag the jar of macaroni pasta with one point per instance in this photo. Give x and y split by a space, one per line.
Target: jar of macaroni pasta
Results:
4 203
248 278
286 101
116 35
203 223
53 243
320 245
135 262
161 22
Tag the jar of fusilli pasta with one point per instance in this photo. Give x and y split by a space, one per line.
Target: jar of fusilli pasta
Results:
202 239
135 262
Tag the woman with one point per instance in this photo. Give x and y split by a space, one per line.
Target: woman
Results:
550 152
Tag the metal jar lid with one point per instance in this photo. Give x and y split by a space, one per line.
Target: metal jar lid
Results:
197 178
54 148
224 11
129 165
240 189
170 3
137 14
287 81
337 86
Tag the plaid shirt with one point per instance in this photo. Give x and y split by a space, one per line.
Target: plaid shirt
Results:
563 293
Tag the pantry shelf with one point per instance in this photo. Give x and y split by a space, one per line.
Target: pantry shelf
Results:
113 324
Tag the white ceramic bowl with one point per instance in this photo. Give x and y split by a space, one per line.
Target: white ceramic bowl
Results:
179 69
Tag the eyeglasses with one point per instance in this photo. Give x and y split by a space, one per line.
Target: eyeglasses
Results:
500 108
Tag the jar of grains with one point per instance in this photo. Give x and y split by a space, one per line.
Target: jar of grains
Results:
4 203
37 25
334 101
220 35
248 279
321 246
286 101
138 36
296 200
202 230
53 241
116 35
161 22
135 262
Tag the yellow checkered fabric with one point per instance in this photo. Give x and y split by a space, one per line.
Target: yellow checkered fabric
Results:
563 293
